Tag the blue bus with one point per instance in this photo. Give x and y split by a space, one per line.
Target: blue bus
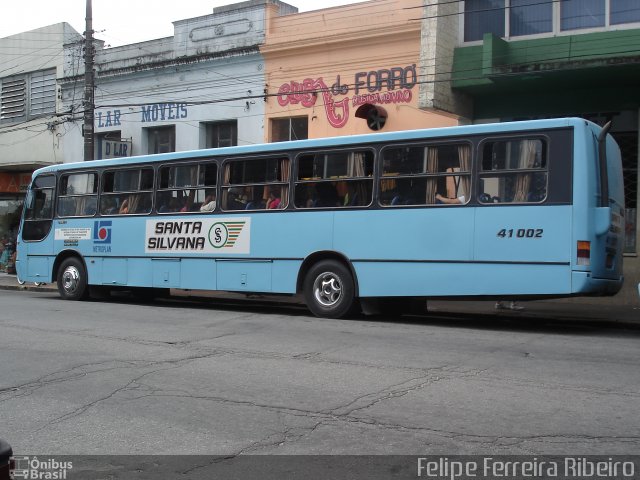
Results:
512 210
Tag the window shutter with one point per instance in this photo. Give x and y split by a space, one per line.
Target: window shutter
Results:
13 97
43 92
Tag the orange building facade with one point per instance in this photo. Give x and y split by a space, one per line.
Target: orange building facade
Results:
347 70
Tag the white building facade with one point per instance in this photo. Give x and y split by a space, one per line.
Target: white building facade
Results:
201 88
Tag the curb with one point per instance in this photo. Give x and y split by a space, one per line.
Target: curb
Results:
440 309
17 286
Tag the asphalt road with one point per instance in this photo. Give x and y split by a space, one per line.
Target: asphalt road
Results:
124 377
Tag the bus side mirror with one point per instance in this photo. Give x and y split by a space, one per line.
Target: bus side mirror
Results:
603 220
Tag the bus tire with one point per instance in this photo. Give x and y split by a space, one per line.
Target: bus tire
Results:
72 279
329 290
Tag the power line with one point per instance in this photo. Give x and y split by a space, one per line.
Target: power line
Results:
180 89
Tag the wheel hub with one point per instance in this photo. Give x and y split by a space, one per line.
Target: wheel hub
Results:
70 279
327 289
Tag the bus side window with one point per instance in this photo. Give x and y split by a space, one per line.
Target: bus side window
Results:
335 179
78 194
513 171
127 191
186 188
256 184
424 175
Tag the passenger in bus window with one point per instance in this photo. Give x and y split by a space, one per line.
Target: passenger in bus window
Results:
67 207
129 205
351 196
236 200
144 203
274 200
450 201
124 207
327 195
109 206
404 194
209 204
256 202
310 197
173 205
90 206
188 202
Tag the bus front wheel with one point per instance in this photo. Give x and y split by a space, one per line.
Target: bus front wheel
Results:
329 289
72 279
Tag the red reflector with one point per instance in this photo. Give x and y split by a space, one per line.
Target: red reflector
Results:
584 252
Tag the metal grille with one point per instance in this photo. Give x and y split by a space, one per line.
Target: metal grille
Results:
14 92
628 142
43 92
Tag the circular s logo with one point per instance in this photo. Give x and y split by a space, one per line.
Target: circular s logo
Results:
218 235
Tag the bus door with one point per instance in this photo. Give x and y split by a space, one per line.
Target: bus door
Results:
35 246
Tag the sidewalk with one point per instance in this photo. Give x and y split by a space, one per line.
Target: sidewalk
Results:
10 282
561 309
574 309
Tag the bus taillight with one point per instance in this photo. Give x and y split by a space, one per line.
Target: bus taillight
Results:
584 252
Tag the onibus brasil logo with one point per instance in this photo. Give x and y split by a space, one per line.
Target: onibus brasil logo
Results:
32 468
225 234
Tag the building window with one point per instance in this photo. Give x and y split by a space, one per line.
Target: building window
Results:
624 11
28 96
483 16
14 98
221 134
535 17
577 14
530 17
293 128
43 92
161 139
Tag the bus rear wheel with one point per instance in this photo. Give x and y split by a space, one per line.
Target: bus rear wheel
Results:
329 289
72 279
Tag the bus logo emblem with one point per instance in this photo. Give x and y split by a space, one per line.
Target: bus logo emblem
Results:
102 231
225 234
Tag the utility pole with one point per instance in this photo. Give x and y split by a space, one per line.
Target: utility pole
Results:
88 85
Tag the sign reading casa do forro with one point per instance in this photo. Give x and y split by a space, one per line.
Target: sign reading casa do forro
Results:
376 87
